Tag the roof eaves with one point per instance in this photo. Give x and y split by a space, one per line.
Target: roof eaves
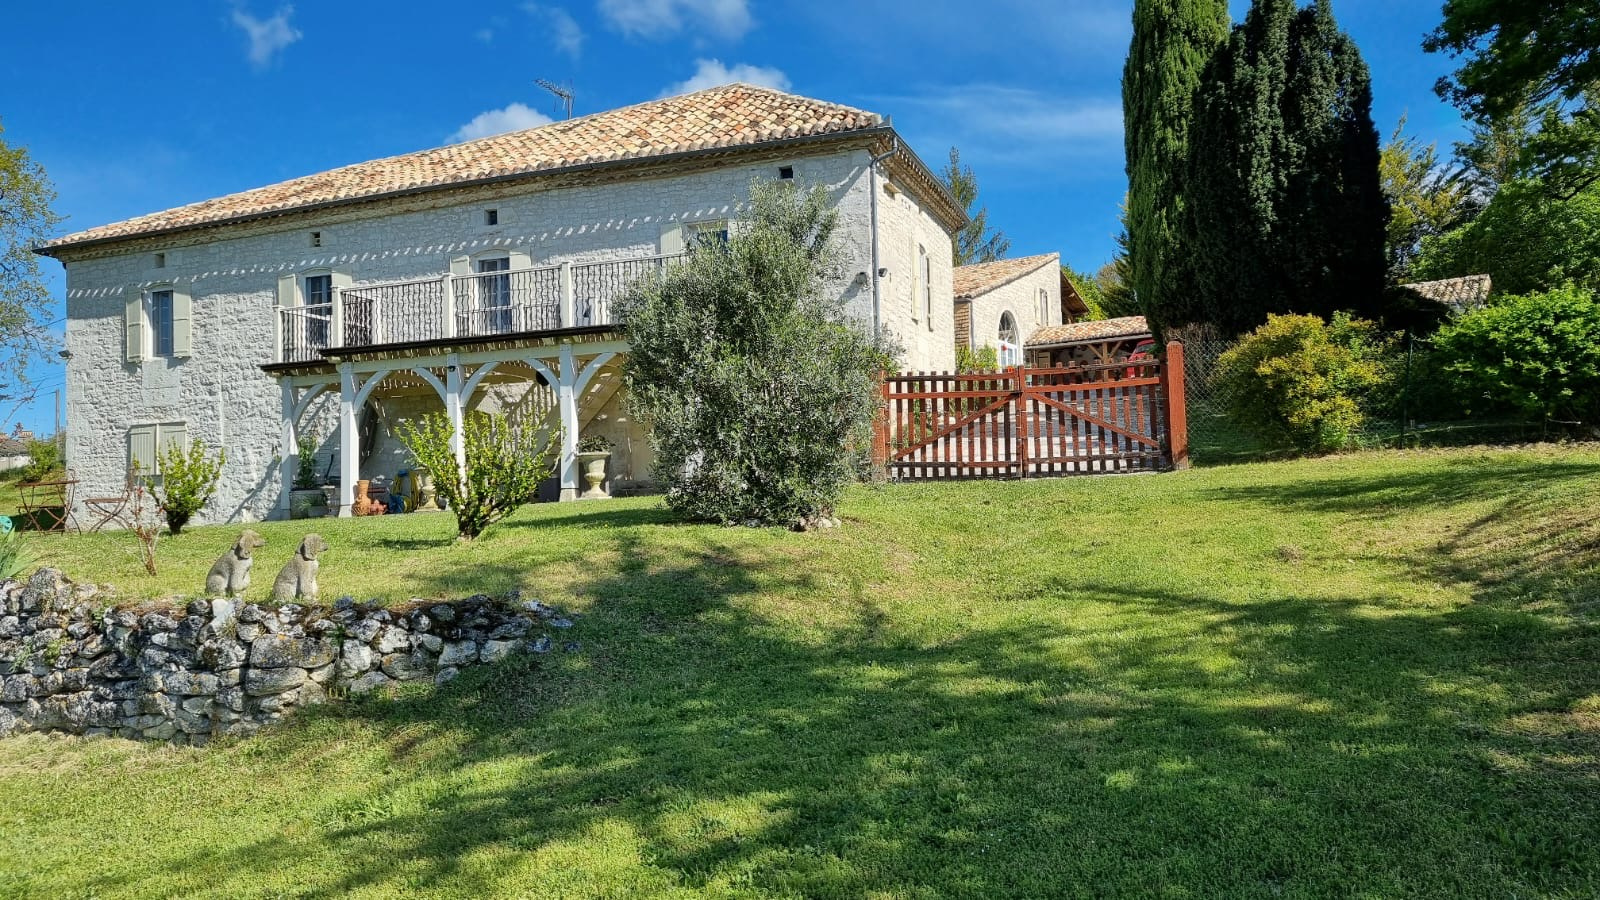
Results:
50 248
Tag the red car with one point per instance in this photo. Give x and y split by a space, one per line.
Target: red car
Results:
1142 352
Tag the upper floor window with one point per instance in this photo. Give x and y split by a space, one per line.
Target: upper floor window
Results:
161 322
706 234
1044 307
494 292
491 217
925 269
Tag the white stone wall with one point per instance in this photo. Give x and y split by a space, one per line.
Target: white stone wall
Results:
225 399
1021 298
903 227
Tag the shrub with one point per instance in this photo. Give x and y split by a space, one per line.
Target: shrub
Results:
15 556
44 460
1527 239
305 473
1304 382
188 479
507 457
758 389
983 359
1534 354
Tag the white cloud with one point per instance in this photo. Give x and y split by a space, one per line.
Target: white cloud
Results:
515 117
564 31
1011 124
710 73
267 37
661 18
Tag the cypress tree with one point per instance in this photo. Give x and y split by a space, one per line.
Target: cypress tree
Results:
1173 40
1286 208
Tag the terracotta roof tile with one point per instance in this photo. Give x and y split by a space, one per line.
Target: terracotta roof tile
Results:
1084 332
731 116
1460 294
981 278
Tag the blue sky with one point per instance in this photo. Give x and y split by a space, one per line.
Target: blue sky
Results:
140 107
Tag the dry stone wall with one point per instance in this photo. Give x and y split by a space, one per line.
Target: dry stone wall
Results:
72 660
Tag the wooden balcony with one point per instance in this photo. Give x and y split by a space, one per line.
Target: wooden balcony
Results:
450 307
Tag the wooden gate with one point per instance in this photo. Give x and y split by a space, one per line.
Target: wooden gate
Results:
1029 423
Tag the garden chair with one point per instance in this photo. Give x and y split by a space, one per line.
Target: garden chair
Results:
111 509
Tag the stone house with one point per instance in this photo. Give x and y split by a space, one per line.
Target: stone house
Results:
1001 304
470 276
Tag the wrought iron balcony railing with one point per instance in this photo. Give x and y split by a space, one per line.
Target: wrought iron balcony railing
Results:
450 307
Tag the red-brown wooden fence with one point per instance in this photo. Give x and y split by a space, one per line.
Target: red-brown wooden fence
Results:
1028 423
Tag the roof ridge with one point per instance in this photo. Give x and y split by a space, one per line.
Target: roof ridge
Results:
665 126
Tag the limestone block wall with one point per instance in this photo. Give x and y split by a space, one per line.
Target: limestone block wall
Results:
71 660
219 392
1021 299
905 232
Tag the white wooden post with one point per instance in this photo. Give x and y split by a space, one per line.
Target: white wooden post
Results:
349 440
336 315
277 339
447 284
453 410
291 449
567 398
375 311
567 301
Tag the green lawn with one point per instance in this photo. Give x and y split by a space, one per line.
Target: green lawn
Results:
1367 676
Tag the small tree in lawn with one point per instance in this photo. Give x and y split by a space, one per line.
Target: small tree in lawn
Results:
758 390
507 457
188 480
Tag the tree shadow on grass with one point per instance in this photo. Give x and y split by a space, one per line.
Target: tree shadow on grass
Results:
1136 742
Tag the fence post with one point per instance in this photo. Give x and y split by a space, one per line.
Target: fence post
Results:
448 307
1173 388
336 318
568 319
1020 403
880 429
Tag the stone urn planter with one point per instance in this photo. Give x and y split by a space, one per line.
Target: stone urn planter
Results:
307 503
593 465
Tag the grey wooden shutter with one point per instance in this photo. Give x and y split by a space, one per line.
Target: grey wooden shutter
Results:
182 323
671 239
133 320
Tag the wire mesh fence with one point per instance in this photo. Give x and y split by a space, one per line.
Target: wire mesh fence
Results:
1408 417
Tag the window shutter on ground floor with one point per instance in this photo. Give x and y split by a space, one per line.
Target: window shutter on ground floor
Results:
142 449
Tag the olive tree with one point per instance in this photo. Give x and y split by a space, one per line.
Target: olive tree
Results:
758 389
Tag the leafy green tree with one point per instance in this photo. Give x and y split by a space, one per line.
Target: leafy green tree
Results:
1424 199
1521 54
1088 289
1173 42
1527 239
1534 354
1288 212
25 220
188 479
508 456
1305 382
1117 296
758 389
977 242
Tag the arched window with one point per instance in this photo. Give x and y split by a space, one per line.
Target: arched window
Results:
1010 347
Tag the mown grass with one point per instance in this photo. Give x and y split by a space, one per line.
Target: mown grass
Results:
1362 676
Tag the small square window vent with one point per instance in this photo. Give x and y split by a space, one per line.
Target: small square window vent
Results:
161 260
491 217
316 239
786 172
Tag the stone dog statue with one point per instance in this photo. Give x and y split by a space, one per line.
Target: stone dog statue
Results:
231 573
297 579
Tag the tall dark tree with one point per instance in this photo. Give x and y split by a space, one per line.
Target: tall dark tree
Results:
1288 214
976 243
1173 41
1522 53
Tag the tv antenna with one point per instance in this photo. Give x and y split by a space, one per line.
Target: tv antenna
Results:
564 94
